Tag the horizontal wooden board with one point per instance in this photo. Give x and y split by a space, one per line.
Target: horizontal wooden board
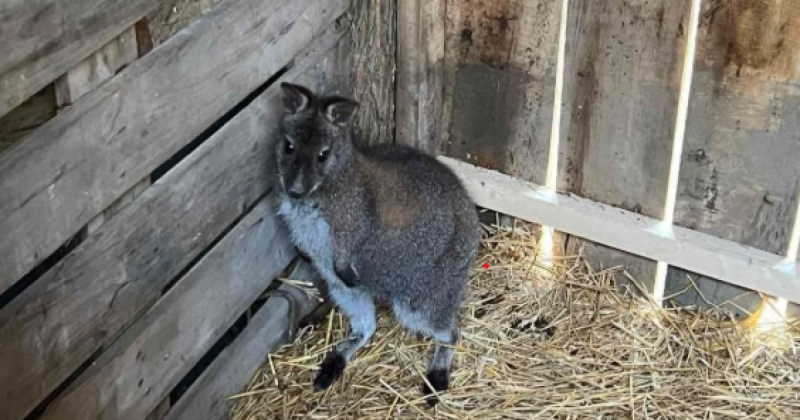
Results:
82 302
139 370
44 39
73 167
632 232
208 398
134 375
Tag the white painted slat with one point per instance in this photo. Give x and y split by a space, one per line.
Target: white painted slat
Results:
632 232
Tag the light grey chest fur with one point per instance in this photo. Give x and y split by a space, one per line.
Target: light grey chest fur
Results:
310 232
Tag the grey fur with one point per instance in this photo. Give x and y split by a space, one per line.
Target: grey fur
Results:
395 224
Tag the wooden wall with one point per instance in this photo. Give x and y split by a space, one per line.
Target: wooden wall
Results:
136 228
482 88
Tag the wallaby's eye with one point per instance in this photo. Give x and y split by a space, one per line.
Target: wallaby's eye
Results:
323 155
288 146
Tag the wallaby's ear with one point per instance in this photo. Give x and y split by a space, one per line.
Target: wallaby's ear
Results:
296 98
339 110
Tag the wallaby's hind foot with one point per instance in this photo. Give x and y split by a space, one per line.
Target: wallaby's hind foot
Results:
439 379
360 310
439 369
330 371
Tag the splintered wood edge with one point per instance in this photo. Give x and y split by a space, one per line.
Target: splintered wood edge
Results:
631 232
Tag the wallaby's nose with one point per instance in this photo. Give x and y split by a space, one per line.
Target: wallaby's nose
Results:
296 191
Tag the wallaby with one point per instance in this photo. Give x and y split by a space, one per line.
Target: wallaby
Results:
384 224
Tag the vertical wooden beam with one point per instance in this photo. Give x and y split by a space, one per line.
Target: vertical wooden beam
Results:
371 64
621 89
677 143
739 173
420 67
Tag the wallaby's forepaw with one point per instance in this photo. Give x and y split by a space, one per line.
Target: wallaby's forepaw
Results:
329 371
439 380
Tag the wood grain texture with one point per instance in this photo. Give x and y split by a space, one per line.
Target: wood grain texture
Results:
77 164
43 39
137 371
631 232
740 177
623 67
82 302
502 77
97 68
372 53
130 379
420 72
232 370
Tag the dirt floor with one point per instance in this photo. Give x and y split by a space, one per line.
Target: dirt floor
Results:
565 345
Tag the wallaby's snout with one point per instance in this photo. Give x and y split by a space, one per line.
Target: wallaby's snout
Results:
312 142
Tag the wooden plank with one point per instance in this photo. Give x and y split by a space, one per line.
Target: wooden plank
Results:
503 76
632 232
372 57
73 167
420 66
138 370
80 304
740 179
235 366
206 301
97 68
46 38
622 78
90 74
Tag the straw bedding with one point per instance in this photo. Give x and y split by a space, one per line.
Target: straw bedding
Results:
545 341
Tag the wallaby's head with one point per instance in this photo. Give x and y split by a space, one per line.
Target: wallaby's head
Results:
314 141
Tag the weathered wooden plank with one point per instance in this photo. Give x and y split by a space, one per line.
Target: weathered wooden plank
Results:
211 296
420 66
97 68
503 78
372 54
740 177
82 302
622 78
76 165
632 232
208 398
91 73
46 38
138 370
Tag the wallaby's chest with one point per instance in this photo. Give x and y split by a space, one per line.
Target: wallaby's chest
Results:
309 230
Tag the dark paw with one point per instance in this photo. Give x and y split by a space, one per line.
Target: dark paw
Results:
439 380
329 371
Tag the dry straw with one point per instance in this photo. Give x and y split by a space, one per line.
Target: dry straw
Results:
545 341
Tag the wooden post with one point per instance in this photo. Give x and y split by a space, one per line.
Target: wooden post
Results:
420 69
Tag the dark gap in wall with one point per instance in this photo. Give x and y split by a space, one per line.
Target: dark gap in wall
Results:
28 279
223 342
40 409
205 135
27 117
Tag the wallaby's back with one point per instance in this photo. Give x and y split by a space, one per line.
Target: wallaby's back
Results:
418 218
